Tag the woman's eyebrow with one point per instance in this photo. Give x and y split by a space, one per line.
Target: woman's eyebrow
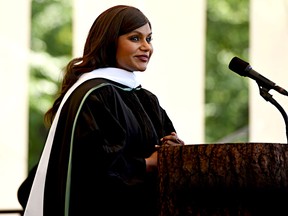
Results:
138 32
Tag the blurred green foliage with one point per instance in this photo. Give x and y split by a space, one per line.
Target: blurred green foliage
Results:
226 99
51 40
226 93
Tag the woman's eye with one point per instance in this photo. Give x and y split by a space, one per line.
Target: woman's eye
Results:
134 38
137 38
149 39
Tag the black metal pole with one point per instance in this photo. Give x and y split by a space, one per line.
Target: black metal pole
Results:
268 97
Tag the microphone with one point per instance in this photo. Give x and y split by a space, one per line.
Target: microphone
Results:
244 69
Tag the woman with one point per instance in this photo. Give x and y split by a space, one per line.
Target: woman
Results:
100 157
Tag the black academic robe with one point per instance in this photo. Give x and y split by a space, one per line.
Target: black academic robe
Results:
102 139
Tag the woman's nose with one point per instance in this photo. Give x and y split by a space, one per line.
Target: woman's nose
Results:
145 45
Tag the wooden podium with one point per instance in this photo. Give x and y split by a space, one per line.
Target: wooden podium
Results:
223 179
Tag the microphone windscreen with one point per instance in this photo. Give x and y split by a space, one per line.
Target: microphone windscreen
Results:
239 66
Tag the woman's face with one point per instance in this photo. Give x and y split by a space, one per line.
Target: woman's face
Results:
135 49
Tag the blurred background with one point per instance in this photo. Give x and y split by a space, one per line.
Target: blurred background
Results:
210 103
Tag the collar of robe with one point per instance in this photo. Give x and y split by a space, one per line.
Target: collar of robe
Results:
118 75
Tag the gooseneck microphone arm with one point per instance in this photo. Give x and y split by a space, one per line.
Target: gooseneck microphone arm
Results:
268 97
244 69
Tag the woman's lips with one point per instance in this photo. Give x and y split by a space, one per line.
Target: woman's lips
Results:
143 58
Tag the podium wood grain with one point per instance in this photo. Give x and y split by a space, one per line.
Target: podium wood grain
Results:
223 179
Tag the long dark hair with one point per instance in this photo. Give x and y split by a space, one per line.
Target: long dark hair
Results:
100 47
